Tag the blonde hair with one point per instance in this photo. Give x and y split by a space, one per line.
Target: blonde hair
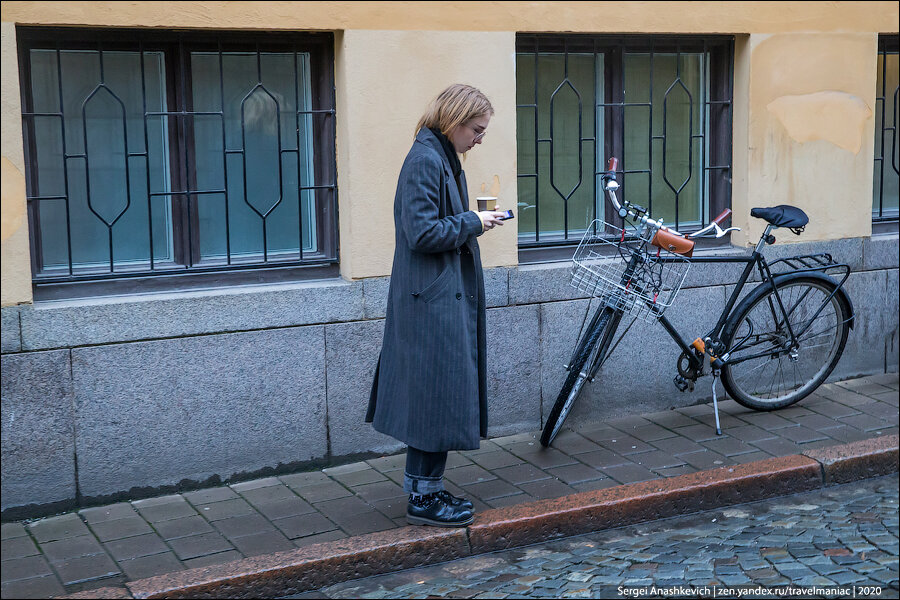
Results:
456 105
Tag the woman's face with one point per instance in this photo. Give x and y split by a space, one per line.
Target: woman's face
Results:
469 133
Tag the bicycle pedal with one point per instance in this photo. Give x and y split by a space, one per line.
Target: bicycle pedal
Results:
683 384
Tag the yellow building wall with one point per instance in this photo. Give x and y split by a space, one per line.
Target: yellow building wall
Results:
384 89
797 65
810 135
15 258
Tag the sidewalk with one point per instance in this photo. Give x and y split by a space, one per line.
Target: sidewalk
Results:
104 547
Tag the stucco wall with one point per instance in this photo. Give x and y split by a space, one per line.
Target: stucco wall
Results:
811 106
377 115
797 65
614 17
15 259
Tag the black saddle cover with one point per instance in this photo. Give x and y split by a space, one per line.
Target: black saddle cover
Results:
782 215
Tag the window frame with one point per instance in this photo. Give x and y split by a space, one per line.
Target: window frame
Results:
887 44
719 49
177 46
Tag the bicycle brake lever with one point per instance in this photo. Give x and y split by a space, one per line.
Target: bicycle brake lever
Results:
720 232
713 227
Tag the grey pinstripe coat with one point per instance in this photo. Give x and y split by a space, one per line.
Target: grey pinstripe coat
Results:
429 389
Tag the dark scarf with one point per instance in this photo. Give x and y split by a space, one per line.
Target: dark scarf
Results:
452 156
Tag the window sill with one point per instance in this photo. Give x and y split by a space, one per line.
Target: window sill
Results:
885 227
157 315
180 282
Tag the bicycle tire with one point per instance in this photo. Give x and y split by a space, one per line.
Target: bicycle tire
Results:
574 380
784 375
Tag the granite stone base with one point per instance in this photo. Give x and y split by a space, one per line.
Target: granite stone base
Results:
123 396
38 439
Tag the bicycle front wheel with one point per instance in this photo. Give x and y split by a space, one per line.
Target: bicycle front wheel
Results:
769 367
576 378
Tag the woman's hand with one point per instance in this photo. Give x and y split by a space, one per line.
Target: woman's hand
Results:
491 218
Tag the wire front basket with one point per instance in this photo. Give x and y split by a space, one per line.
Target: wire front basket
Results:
626 272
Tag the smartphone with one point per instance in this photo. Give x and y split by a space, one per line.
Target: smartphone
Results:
508 214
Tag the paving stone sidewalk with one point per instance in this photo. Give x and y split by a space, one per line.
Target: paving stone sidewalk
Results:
841 539
108 545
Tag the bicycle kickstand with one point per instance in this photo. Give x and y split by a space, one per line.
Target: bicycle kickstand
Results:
715 375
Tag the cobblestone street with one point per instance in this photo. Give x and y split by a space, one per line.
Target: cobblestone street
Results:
845 536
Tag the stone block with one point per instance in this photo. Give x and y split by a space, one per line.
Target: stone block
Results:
875 327
881 251
38 441
513 369
10 338
111 319
857 460
496 286
637 377
375 291
892 312
532 284
152 414
352 351
375 295
709 274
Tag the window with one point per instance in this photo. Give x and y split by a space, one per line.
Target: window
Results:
661 105
887 174
154 153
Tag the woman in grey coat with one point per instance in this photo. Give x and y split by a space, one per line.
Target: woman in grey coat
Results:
430 384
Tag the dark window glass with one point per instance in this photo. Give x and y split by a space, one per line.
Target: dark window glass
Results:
887 152
164 153
662 106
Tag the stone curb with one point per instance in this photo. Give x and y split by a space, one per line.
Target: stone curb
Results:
327 563
858 460
524 524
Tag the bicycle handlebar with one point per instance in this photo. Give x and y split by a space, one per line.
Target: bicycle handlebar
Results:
722 217
611 185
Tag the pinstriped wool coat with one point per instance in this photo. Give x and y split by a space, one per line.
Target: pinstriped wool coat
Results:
430 383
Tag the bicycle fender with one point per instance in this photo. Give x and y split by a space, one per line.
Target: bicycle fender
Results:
765 286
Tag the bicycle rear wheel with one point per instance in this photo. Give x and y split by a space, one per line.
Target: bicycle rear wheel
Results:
576 377
777 371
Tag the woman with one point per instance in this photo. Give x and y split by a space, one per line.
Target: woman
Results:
430 384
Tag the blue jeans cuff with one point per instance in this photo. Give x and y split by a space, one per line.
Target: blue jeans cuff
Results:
422 485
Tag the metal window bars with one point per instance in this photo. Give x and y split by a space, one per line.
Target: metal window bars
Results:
713 133
886 130
183 194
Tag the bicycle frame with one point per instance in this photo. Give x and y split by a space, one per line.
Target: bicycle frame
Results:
756 259
772 321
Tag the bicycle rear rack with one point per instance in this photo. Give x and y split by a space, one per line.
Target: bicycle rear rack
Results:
808 263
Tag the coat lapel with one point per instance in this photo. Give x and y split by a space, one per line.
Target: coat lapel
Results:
458 205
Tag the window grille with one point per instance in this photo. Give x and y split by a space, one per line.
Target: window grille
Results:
886 180
663 106
153 153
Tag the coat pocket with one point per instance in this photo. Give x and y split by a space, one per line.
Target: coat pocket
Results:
437 286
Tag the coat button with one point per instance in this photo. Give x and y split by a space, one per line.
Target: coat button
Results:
458 295
458 251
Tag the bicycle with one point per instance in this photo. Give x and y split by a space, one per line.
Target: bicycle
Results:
771 349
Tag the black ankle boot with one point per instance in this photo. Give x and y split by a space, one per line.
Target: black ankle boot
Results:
431 509
455 500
